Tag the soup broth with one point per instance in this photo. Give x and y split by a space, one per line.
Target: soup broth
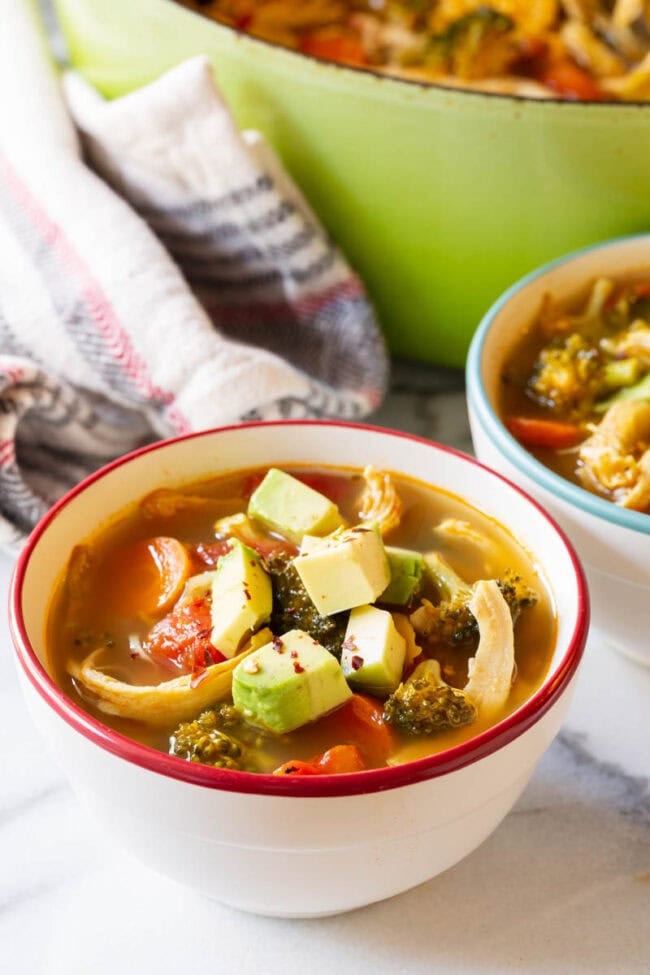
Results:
575 390
104 607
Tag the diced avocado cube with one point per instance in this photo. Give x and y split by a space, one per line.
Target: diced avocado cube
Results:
288 683
284 504
406 567
348 568
373 652
241 598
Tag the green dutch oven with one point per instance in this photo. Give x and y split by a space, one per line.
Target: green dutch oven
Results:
440 198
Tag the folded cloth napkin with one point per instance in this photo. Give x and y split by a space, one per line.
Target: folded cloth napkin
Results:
180 283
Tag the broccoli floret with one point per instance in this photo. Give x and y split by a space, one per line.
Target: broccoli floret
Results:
516 593
568 376
219 737
293 608
423 704
477 45
451 622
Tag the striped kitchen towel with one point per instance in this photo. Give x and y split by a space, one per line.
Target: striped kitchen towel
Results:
159 272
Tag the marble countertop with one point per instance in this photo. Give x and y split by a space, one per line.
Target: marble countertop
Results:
561 888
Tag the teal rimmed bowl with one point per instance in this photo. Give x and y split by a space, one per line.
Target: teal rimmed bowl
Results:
612 542
440 198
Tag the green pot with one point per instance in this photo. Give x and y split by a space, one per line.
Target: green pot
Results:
439 198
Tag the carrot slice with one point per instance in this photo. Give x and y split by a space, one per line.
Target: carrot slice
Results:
535 432
146 577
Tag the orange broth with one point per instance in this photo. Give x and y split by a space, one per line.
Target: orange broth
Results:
81 617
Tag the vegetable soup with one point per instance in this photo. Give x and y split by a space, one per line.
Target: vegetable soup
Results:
576 390
301 622
547 49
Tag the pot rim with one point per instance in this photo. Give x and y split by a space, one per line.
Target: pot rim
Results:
411 83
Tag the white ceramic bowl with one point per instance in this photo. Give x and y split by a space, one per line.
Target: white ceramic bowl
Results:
295 847
612 542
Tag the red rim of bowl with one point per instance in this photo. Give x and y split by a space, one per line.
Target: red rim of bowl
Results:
355 783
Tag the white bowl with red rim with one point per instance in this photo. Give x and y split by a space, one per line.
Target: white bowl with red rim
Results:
283 846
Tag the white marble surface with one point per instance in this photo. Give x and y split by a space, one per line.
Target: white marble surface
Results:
561 888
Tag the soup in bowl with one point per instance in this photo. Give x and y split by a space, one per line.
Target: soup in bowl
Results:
313 662
558 395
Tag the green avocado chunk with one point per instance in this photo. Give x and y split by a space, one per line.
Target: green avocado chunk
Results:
241 598
406 567
288 683
373 653
284 504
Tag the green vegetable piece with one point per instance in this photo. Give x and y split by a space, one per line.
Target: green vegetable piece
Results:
241 598
285 505
288 683
621 372
294 610
373 651
640 392
424 704
219 737
406 569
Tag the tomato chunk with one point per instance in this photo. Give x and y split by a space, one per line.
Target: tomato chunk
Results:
360 722
182 638
570 81
334 761
334 46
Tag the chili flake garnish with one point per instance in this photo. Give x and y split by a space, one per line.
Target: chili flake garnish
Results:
356 662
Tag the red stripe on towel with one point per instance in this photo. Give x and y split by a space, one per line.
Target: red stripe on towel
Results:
7 452
100 310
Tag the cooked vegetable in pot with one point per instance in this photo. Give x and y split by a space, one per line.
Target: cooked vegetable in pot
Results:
301 622
570 49
576 391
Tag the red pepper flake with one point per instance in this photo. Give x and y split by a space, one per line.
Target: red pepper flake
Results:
357 662
298 667
349 644
247 594
294 654
277 644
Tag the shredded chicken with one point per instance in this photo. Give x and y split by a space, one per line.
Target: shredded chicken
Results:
165 703
616 457
456 528
492 667
590 52
167 503
380 502
634 342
